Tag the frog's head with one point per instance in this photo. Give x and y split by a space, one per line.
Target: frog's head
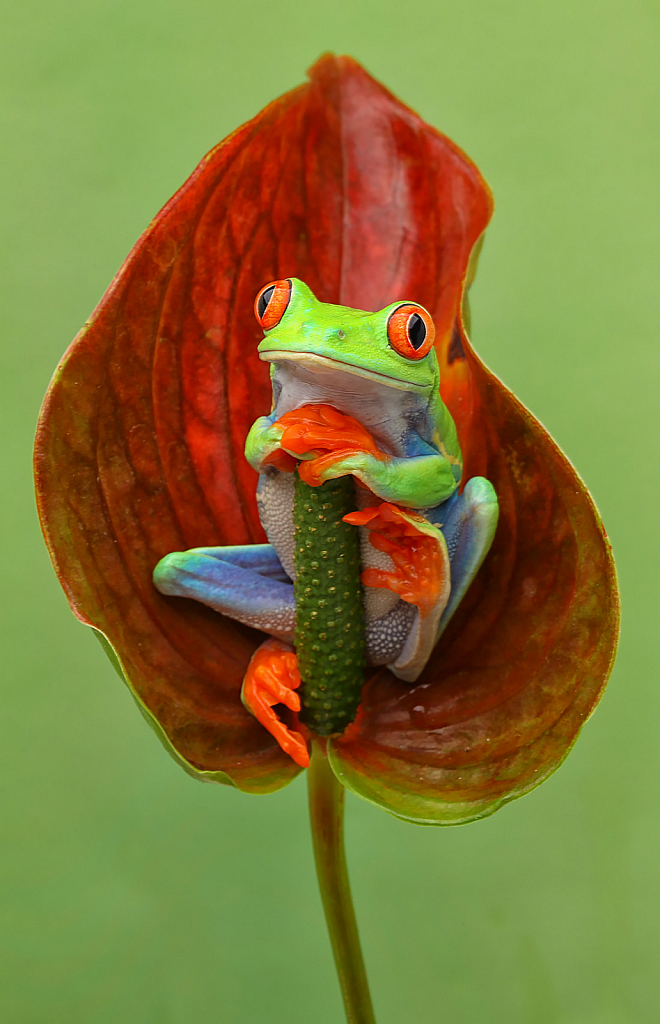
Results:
393 347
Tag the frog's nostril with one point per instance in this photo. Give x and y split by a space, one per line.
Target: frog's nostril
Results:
341 335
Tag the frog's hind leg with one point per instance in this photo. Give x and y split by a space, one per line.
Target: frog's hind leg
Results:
469 521
246 582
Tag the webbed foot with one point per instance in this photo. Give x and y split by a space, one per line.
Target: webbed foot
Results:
272 678
328 443
420 576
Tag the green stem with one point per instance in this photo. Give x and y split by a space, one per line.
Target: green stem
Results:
326 812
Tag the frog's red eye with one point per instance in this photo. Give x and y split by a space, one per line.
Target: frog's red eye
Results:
271 302
410 331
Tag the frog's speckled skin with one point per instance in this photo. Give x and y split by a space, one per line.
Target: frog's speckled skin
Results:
332 355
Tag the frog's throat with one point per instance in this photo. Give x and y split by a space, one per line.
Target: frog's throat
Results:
325 364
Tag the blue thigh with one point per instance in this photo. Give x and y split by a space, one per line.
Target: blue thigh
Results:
247 583
468 522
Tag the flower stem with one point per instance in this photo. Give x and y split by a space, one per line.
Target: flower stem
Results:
326 812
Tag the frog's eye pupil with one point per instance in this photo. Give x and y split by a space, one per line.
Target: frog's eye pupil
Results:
271 303
263 300
416 331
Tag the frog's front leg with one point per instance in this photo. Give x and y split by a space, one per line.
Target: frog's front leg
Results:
246 582
331 444
417 482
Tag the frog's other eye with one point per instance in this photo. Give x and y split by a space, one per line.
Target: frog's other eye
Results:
411 331
271 302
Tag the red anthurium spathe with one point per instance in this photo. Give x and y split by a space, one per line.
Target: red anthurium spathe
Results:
140 453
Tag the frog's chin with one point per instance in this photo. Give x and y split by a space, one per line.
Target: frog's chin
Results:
325 364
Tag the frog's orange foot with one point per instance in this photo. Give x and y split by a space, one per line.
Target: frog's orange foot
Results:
320 436
321 427
417 548
272 677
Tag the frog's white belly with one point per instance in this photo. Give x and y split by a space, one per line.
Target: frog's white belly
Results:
275 501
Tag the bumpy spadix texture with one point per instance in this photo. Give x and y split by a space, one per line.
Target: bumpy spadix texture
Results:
329 608
140 452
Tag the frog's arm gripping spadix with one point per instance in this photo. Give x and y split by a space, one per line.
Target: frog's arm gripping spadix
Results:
331 445
418 482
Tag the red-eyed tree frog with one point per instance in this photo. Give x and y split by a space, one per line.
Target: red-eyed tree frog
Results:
330 367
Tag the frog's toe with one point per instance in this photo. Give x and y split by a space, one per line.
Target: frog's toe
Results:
469 528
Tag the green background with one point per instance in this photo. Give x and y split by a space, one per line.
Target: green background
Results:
135 895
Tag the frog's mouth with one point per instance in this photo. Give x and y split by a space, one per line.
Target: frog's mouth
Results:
325 364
